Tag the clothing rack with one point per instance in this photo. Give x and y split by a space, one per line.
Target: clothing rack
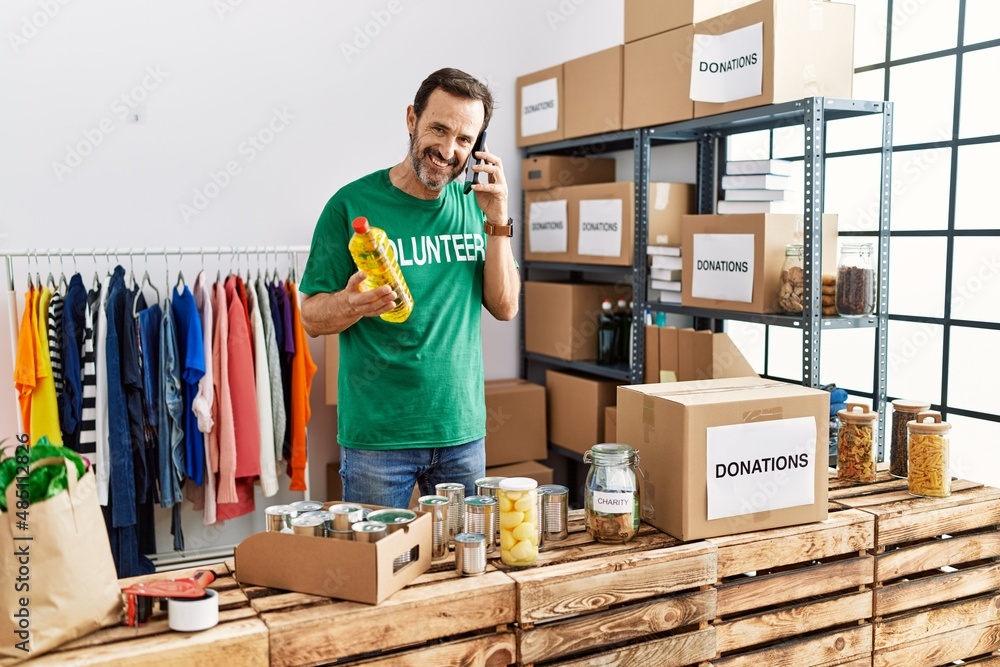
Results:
291 251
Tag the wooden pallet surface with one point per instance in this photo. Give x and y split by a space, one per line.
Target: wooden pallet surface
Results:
689 648
843 532
308 630
938 588
634 622
489 650
239 638
944 649
916 627
844 646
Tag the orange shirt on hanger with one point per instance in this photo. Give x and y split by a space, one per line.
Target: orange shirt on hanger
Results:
303 370
26 359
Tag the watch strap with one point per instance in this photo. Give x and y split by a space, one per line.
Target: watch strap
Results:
499 230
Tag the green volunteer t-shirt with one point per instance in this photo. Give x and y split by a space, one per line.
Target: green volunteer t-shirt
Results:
418 383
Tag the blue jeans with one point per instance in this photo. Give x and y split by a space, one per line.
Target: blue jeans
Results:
386 477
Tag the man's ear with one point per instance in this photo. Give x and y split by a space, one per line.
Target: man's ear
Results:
411 121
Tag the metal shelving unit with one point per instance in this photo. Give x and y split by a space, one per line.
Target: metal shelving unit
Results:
710 134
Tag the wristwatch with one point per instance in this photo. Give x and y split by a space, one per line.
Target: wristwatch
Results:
499 230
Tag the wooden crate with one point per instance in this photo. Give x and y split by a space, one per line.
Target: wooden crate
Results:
441 618
240 638
937 571
797 596
645 602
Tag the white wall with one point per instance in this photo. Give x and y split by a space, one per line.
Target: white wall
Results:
326 99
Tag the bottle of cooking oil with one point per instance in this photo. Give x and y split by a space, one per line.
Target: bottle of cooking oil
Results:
374 255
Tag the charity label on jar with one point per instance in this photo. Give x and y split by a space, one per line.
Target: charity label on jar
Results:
614 503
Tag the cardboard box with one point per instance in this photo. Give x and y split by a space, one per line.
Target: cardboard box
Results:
807 51
560 319
539 472
611 424
576 409
332 366
357 571
651 372
595 223
704 355
728 276
543 172
644 18
670 367
592 89
657 79
515 422
540 107
668 204
723 457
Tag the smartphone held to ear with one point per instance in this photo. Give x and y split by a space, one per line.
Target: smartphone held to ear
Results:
470 175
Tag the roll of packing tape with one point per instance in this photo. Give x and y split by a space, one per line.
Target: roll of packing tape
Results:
192 615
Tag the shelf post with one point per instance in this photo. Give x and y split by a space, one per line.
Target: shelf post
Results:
640 155
882 303
814 124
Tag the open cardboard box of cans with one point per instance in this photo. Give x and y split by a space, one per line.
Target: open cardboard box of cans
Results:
367 572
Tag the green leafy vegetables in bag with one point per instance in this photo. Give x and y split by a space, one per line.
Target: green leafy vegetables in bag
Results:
44 482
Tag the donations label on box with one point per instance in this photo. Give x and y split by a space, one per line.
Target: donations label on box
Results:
760 466
728 67
600 227
540 107
548 230
723 267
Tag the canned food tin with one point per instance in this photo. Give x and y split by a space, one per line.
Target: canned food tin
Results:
481 517
302 506
490 486
278 518
369 531
470 554
309 524
346 515
437 507
395 519
555 525
455 493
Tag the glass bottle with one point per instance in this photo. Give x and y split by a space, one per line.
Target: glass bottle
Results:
518 521
902 412
855 280
611 496
623 319
929 454
374 255
606 335
791 285
856 446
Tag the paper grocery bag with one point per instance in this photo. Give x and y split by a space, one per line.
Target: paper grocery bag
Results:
57 576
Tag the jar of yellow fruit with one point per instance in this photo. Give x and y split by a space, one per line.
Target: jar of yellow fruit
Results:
518 521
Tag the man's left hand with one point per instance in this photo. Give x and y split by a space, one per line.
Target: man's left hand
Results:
492 195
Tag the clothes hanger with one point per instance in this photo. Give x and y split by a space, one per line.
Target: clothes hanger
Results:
97 276
145 281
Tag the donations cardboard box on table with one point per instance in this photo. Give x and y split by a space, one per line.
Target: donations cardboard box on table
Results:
728 456
357 571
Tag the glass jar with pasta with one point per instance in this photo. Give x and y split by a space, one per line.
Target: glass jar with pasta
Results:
929 455
856 444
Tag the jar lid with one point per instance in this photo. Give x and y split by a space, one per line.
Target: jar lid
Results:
903 405
518 484
857 413
793 249
854 247
928 422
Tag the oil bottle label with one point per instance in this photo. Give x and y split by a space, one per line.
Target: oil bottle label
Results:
613 503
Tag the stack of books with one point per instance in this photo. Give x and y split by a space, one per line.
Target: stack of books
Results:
758 186
664 273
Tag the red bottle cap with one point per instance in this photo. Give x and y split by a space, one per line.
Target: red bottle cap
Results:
360 225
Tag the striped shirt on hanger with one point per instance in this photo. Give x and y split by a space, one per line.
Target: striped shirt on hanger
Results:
55 339
88 432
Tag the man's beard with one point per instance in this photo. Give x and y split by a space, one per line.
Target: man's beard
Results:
419 168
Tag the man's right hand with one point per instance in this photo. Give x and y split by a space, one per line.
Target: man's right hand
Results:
368 303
